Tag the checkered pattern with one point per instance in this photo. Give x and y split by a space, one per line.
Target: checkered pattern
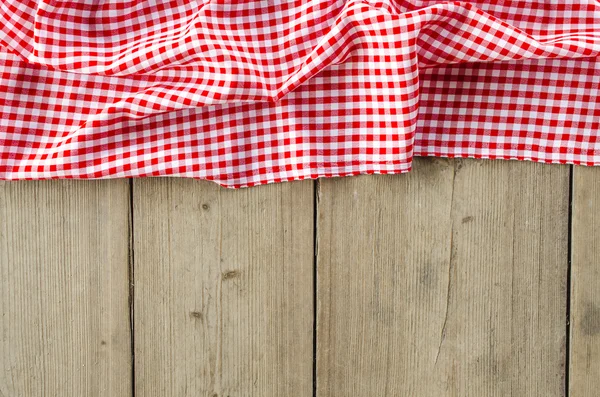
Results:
250 92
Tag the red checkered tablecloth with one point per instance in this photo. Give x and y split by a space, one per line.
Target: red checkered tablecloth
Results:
250 92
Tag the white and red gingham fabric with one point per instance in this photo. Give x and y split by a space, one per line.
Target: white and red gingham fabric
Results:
250 92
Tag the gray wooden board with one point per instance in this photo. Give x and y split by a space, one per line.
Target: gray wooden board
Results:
223 289
584 369
448 281
64 324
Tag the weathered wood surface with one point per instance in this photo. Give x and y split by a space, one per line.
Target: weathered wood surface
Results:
449 281
64 314
584 369
223 289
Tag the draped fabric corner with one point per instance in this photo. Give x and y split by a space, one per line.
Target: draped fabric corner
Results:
250 92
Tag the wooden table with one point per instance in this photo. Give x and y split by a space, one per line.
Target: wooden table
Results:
462 278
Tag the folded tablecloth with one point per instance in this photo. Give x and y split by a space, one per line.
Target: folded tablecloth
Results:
250 92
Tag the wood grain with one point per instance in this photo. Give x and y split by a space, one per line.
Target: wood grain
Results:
223 289
448 281
584 371
64 325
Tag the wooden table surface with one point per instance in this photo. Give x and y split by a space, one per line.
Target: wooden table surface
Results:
461 278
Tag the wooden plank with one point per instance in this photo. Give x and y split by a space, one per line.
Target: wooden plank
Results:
584 370
223 289
64 324
449 281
